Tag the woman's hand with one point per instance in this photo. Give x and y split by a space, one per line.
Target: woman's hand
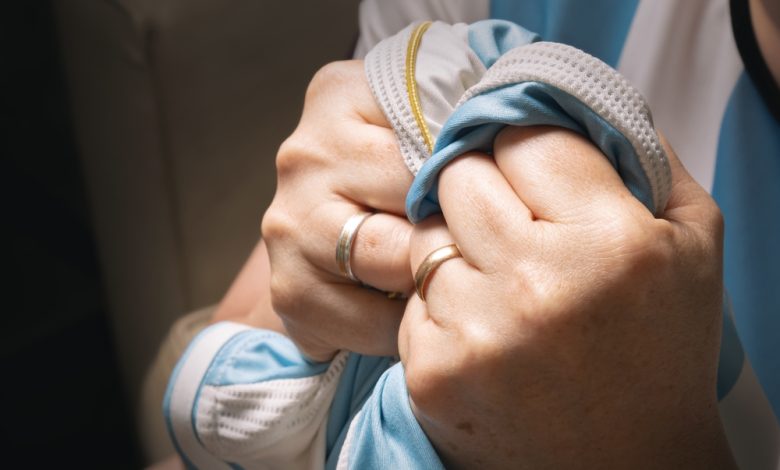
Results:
341 160
577 330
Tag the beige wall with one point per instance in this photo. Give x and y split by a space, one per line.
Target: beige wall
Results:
179 107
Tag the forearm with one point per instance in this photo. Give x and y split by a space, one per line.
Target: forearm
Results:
248 300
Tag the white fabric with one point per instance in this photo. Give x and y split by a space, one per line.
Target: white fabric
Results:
346 448
385 66
153 430
380 19
281 423
446 62
191 371
686 77
446 68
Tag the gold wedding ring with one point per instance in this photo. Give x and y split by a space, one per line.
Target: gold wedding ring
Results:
429 265
344 245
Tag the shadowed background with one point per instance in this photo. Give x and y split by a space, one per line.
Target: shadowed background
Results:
139 140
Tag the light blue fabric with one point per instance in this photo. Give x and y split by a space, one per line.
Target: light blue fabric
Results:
490 39
475 123
357 382
747 190
731 358
168 396
473 126
598 27
254 356
387 435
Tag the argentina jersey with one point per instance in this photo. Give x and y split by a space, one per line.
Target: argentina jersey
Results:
247 398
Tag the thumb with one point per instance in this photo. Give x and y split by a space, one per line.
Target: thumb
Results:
689 203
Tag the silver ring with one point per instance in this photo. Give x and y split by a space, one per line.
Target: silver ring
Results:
344 244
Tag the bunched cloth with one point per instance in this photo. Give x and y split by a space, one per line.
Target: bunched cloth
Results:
247 398
448 89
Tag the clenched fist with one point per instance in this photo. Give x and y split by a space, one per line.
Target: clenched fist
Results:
577 330
343 159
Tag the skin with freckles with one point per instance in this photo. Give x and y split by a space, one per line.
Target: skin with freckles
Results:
248 299
567 292
577 331
599 385
341 160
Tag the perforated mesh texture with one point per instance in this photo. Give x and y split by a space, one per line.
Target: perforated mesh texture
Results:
571 70
599 87
385 68
246 422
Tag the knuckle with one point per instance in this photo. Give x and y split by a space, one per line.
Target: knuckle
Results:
284 297
279 295
631 238
426 382
430 377
306 151
329 75
399 245
391 245
275 224
482 340
714 219
659 247
464 177
290 157
644 248
537 140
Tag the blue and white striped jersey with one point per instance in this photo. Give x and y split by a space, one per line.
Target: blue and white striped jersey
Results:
246 398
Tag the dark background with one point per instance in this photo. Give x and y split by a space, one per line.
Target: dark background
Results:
60 388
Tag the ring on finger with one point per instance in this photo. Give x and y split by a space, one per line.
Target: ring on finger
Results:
430 264
344 244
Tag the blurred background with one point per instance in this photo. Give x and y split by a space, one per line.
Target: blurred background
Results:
138 139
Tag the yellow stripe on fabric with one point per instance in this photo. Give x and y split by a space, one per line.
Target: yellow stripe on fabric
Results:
411 83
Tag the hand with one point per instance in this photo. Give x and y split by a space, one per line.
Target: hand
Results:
577 330
341 160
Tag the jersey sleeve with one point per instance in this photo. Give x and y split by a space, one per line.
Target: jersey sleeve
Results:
248 397
380 19
385 432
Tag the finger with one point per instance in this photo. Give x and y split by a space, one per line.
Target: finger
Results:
340 110
449 278
454 309
688 201
423 345
483 213
334 314
560 175
379 255
378 177
346 80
